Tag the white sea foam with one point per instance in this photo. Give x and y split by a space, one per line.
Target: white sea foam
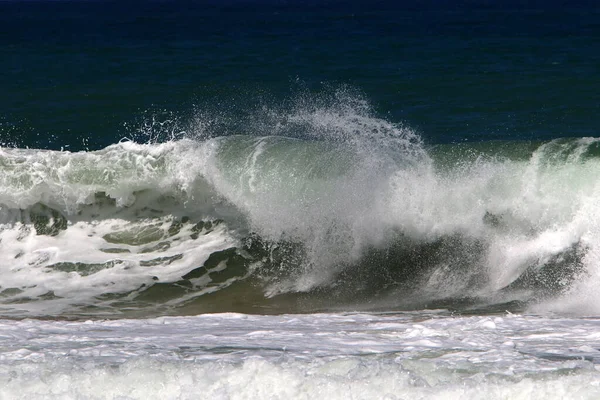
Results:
79 265
359 356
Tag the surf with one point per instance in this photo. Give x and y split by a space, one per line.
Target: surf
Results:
319 205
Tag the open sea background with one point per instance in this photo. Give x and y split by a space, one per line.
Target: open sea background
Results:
299 199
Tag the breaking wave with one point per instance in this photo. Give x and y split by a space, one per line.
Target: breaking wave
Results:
319 206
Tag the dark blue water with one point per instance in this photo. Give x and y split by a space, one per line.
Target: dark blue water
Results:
81 74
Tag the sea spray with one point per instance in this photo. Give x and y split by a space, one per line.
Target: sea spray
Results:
319 203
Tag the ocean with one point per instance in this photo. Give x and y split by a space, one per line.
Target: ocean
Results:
271 199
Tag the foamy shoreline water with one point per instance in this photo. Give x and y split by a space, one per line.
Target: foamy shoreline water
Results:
358 356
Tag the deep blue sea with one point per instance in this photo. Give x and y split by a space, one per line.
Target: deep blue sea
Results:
452 70
278 199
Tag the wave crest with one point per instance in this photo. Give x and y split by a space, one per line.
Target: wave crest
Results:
323 205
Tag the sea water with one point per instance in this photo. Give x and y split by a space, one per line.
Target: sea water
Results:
419 355
299 200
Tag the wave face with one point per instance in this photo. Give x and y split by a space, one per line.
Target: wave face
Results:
323 207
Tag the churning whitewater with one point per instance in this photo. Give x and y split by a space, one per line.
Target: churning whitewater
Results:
420 355
333 209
